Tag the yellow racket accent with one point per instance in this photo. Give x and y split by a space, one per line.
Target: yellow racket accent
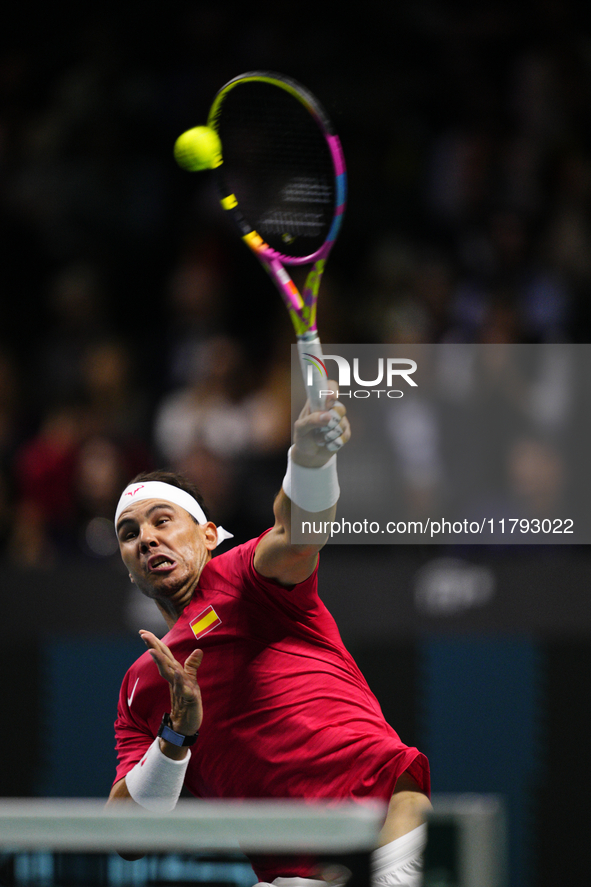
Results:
254 241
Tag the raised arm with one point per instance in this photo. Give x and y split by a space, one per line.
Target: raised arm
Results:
276 557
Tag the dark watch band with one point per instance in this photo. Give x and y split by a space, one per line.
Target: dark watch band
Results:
170 735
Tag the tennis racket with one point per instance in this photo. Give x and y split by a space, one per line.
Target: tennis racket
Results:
283 181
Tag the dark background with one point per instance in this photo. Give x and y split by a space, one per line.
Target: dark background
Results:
129 340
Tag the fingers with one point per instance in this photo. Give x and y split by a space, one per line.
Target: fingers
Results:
322 431
154 643
335 418
335 443
192 663
324 420
186 710
332 435
160 653
168 667
335 432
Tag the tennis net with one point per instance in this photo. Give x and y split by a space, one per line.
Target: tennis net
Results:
70 843
73 843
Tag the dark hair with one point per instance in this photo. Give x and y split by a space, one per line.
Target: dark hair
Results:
175 480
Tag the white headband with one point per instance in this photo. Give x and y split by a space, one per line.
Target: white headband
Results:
155 489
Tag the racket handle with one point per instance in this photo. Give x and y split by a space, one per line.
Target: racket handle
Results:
313 372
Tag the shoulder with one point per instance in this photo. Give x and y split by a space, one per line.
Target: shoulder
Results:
239 571
232 565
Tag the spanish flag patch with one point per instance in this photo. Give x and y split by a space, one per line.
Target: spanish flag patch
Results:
205 622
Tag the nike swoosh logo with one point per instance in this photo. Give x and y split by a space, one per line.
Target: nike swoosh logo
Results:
130 698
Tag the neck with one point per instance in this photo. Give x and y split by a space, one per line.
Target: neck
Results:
171 606
169 613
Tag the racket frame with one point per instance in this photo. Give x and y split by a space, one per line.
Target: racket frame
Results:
302 307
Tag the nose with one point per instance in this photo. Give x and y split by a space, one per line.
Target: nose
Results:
147 538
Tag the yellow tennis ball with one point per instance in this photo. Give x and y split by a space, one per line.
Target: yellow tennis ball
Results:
198 148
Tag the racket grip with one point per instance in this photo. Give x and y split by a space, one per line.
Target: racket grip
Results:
313 370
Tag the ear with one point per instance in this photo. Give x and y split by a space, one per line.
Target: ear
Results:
210 534
131 579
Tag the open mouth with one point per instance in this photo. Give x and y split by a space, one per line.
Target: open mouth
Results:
160 563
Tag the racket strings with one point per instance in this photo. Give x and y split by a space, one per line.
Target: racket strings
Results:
278 165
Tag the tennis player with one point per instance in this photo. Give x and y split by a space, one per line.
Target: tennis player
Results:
252 694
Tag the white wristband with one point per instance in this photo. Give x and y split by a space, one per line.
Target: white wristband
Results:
313 489
156 781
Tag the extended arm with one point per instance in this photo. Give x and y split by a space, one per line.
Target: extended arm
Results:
276 557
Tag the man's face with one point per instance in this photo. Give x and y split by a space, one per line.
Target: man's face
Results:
164 549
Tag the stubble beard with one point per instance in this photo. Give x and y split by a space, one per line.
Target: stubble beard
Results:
172 599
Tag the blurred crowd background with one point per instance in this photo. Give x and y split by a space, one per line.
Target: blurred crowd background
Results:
129 338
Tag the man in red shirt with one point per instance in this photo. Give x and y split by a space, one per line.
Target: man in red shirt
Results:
281 709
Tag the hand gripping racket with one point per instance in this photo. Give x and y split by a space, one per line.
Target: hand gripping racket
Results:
283 180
